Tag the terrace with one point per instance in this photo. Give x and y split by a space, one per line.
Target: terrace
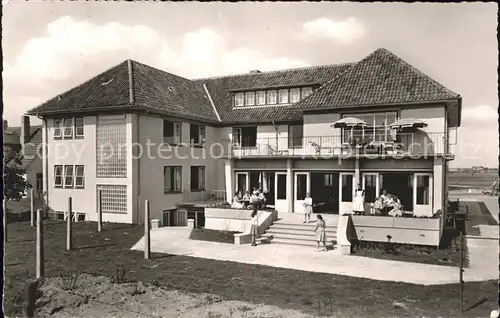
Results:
404 145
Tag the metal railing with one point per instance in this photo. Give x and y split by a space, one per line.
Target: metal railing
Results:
218 196
406 144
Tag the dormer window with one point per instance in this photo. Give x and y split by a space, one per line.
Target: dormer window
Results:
250 98
306 91
294 95
271 97
283 96
278 96
239 99
261 97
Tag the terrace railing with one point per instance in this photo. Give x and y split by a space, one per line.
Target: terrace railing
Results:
218 196
406 144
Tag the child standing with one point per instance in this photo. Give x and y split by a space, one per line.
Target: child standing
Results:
320 231
308 202
254 230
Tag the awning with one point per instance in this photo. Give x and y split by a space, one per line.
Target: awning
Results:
348 122
408 123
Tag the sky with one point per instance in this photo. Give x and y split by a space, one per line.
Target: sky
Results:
50 47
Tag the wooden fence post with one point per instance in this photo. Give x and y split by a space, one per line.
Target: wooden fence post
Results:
32 214
40 270
30 297
147 224
69 220
99 211
461 271
4 220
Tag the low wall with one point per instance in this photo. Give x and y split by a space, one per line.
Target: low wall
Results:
420 231
237 220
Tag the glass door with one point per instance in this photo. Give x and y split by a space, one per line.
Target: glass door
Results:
346 192
302 187
422 194
281 203
371 185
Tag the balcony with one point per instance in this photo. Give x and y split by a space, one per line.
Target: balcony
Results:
405 145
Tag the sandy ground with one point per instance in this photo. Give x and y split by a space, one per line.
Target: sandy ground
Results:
98 297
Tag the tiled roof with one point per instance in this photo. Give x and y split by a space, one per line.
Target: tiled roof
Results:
220 90
152 90
380 78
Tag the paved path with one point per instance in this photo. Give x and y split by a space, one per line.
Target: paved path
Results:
173 240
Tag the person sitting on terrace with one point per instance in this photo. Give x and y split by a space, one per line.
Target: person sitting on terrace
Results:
237 201
378 206
388 203
262 199
396 210
254 201
246 199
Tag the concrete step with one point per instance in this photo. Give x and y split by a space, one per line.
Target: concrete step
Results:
275 231
306 238
292 242
299 227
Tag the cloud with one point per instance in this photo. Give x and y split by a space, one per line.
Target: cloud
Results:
344 32
73 51
479 116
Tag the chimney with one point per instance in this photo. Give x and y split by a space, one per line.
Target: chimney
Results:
255 72
25 130
5 124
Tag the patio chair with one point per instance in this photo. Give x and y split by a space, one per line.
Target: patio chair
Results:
273 151
318 148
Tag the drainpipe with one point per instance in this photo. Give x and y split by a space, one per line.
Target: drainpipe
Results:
138 181
289 185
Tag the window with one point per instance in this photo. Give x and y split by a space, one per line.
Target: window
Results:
79 127
281 191
113 198
79 177
172 176
197 178
39 182
68 128
423 190
250 98
283 96
328 179
306 91
68 176
377 127
171 132
294 95
271 97
57 128
111 144
196 134
239 99
245 136
347 184
58 176
295 136
261 98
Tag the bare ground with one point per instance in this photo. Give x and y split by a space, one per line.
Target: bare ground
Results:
100 297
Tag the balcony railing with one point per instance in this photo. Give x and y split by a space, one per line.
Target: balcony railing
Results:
217 196
405 144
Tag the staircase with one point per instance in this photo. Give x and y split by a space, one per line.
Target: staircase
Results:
292 232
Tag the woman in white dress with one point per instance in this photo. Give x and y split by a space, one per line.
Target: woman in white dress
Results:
358 202
308 202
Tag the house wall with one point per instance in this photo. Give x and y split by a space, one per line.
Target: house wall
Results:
436 130
151 177
32 170
83 152
396 164
319 125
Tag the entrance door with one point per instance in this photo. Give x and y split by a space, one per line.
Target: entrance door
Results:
302 187
371 185
325 192
422 194
242 182
280 203
346 192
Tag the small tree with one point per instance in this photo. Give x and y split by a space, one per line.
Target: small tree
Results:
15 185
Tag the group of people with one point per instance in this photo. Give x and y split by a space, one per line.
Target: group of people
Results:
248 201
386 204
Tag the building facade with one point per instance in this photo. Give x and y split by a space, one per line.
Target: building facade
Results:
135 133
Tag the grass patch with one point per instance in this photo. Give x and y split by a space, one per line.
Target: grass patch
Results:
478 180
448 254
313 293
212 236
